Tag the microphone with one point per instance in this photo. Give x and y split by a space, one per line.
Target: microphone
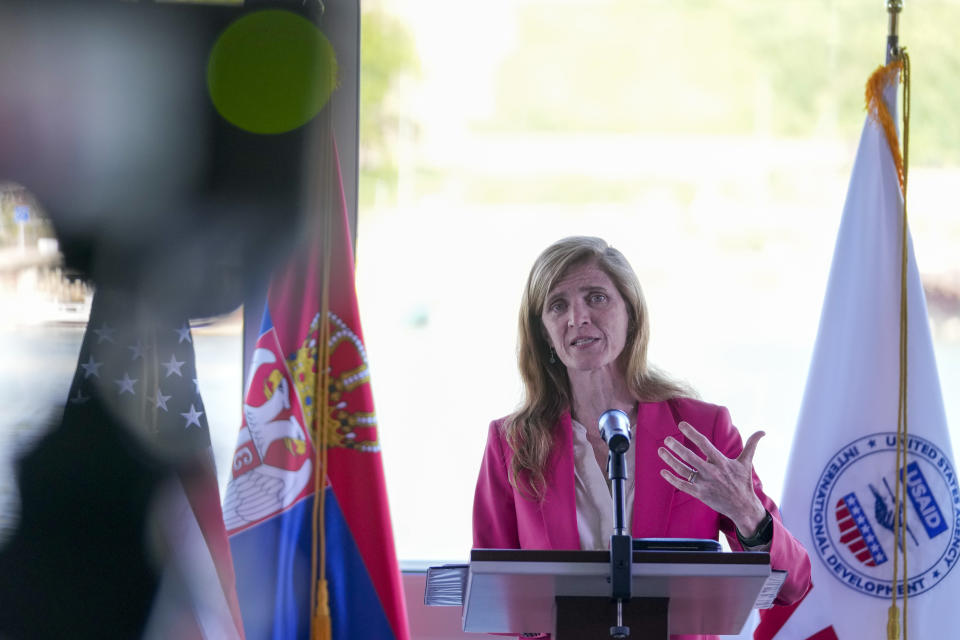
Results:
615 430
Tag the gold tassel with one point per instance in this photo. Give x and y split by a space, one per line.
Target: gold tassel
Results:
893 623
877 108
879 111
321 614
320 628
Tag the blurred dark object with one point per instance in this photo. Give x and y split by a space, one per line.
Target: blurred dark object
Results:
105 118
78 566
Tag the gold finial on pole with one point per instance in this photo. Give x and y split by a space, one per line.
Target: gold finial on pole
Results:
894 7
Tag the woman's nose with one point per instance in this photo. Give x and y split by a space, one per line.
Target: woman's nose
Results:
578 315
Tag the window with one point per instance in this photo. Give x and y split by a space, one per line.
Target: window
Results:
711 143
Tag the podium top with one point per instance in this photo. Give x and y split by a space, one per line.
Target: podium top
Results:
511 591
640 557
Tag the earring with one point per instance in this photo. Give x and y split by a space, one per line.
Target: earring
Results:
553 356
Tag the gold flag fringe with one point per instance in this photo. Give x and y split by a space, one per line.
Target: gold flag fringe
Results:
877 108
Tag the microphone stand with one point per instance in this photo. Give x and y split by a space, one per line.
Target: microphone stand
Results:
621 544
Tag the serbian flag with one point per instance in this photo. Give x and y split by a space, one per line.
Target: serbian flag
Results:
306 509
842 474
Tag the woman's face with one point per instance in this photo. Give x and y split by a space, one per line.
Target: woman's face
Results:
586 318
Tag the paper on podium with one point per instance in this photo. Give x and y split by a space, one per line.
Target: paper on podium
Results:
770 589
446 585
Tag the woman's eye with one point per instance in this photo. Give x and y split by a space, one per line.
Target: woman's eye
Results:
598 298
557 306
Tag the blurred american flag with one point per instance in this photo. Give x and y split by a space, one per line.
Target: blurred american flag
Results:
139 365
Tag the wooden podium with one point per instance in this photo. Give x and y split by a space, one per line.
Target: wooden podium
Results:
567 593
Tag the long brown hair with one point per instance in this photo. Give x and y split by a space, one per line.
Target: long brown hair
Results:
529 430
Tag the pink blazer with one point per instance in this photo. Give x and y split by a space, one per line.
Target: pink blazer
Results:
503 518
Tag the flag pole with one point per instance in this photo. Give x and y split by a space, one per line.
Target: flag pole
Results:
894 7
896 57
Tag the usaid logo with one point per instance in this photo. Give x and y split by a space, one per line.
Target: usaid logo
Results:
852 515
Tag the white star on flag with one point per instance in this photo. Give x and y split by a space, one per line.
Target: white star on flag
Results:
173 366
137 350
91 368
193 417
126 384
104 333
183 333
161 400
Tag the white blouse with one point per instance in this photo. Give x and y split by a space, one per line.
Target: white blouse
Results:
593 494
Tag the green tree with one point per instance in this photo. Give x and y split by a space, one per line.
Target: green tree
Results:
388 55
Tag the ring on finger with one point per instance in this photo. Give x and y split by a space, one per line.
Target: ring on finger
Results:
693 476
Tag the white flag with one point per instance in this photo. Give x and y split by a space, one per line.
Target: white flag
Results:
839 491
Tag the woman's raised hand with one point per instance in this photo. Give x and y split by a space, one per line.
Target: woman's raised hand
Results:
723 484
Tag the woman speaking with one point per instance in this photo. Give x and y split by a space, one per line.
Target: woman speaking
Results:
583 339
